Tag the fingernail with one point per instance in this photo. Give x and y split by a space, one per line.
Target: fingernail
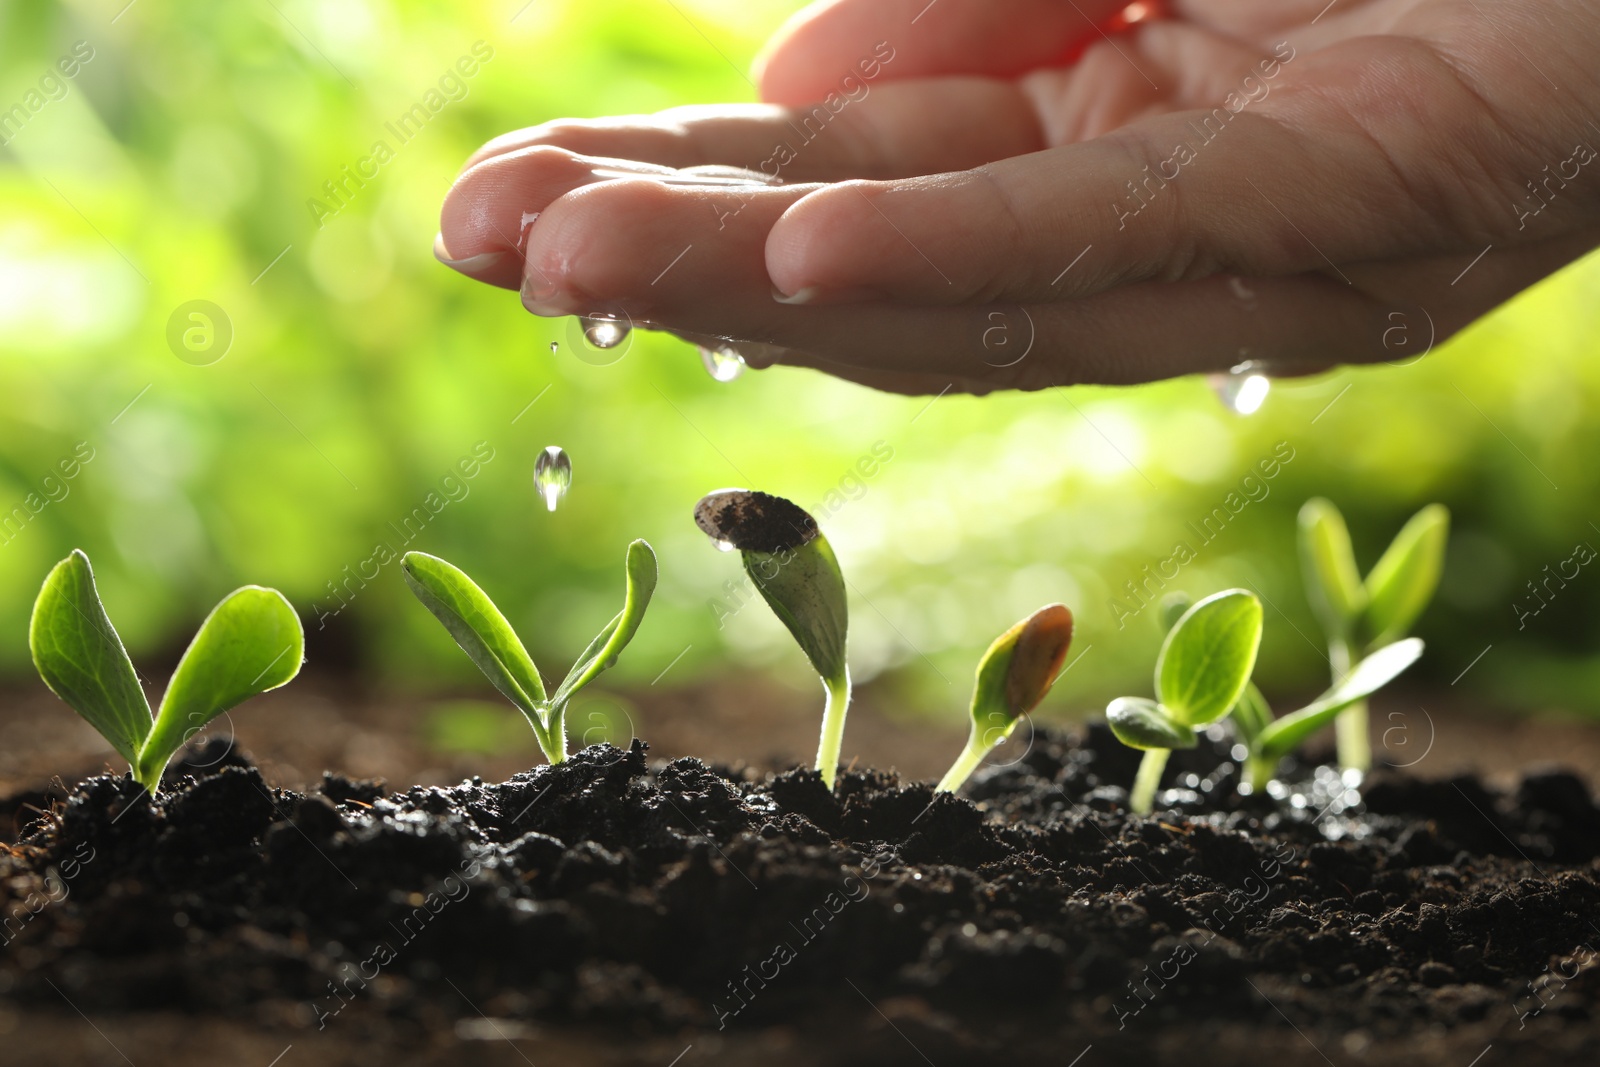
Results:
468 265
801 296
816 295
542 298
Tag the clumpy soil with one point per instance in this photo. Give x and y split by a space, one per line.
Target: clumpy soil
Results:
614 909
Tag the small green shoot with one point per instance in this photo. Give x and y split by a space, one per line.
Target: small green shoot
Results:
1269 740
797 574
251 642
1014 675
489 641
1361 616
1203 669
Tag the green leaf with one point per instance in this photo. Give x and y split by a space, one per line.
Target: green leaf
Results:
1144 724
1251 715
81 658
1333 583
1404 580
1364 679
251 642
604 649
1208 657
805 589
478 627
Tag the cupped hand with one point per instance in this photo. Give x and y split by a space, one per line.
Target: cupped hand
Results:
983 194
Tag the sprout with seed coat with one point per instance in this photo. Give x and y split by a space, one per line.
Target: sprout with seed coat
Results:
251 642
1013 676
797 574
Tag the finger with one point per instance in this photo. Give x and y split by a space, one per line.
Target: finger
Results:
916 39
1296 183
857 130
690 260
488 209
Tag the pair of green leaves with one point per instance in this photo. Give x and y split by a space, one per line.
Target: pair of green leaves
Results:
488 639
1381 608
1205 664
250 643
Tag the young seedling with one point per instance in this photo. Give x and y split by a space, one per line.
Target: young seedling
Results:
1268 740
797 574
1203 669
251 642
489 641
1361 616
1013 677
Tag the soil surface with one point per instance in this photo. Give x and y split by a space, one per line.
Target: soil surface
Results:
615 910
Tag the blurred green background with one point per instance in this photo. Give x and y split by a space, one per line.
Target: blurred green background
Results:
177 165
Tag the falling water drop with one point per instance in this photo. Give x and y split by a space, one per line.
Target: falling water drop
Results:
722 363
1243 389
603 331
555 346
552 475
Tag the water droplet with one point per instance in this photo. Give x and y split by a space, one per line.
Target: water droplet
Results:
722 362
603 331
1243 389
552 475
555 346
723 546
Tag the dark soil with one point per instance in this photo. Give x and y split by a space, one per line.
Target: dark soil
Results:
1421 922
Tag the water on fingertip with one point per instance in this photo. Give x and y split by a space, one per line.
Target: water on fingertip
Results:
603 331
552 475
1243 389
722 363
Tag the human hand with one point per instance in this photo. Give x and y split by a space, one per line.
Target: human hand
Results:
1275 180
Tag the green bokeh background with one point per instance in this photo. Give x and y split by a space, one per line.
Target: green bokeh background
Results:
178 164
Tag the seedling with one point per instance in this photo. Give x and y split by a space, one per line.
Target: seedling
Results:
794 567
1269 740
1361 616
1202 671
1012 678
488 639
251 642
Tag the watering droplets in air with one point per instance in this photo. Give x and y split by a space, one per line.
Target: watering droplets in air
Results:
555 346
552 476
603 331
1243 389
722 363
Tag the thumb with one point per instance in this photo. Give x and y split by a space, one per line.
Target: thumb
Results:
1301 185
